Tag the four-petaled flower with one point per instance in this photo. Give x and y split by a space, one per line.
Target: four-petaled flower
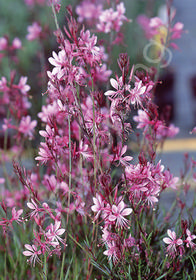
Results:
27 126
33 253
113 252
189 239
172 241
124 160
16 215
118 213
98 205
53 233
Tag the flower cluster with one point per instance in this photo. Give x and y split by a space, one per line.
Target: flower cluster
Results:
175 245
105 20
89 189
9 49
15 100
163 33
47 240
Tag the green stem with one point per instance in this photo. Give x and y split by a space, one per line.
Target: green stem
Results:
45 268
55 17
62 264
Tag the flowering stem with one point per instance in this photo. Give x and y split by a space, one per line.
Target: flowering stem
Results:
84 129
94 137
143 234
70 163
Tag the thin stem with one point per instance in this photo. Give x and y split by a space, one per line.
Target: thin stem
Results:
70 164
55 17
142 233
62 264
45 268
94 137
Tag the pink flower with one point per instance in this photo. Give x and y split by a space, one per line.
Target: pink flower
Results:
142 119
33 206
49 133
136 93
16 215
124 160
22 85
3 43
60 61
102 73
56 4
113 252
169 180
33 253
172 241
130 241
87 44
145 181
34 31
118 85
144 22
98 205
88 11
50 182
16 43
118 213
112 20
189 239
154 26
53 233
177 30
27 126
84 151
172 131
44 153
48 111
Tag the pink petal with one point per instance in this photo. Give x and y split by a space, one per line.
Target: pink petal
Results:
94 208
128 158
126 211
121 206
57 224
29 247
171 234
112 218
124 149
60 231
114 83
27 253
114 209
167 240
109 92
